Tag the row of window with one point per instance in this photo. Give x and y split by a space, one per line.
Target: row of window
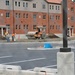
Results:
20 27
18 15
25 4
57 17
52 17
52 7
53 26
34 26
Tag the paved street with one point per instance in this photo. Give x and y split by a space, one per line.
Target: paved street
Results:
17 54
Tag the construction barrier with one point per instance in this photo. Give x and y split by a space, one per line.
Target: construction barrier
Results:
16 70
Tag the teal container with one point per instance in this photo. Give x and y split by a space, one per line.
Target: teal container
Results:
47 45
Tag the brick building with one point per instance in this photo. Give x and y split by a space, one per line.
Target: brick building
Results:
21 16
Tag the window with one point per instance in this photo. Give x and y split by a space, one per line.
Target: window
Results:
58 17
19 26
34 16
16 15
23 26
72 9
26 15
72 18
52 17
8 26
26 4
26 26
34 5
7 2
23 4
16 26
56 7
7 14
34 26
43 6
15 3
57 27
44 26
44 16
19 4
19 15
51 26
50 6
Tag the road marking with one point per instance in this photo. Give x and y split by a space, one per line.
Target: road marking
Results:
43 48
45 67
5 57
23 61
51 66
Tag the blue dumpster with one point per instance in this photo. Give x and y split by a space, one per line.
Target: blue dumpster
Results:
47 45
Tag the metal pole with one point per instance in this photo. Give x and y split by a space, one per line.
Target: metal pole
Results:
65 41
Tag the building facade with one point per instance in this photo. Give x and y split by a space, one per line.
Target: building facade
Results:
21 16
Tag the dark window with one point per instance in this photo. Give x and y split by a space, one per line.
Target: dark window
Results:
23 26
26 26
34 16
15 3
16 15
26 15
19 4
72 18
16 26
72 9
19 26
8 26
23 4
56 7
26 4
51 26
7 2
43 6
57 27
50 6
52 17
34 26
19 15
7 14
34 5
44 16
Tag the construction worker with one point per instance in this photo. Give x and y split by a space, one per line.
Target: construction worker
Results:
7 37
13 36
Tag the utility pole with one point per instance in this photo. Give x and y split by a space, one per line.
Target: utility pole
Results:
65 58
65 41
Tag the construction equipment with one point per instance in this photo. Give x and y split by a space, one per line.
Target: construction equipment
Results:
38 34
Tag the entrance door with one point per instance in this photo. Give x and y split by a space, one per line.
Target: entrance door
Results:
4 30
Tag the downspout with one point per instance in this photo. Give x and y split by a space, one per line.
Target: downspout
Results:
48 20
13 15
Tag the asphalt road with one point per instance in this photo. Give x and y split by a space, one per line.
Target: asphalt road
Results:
17 54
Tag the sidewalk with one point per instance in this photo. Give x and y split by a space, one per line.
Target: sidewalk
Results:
44 40
39 40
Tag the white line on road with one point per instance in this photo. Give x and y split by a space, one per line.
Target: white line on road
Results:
24 61
45 66
5 57
51 66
